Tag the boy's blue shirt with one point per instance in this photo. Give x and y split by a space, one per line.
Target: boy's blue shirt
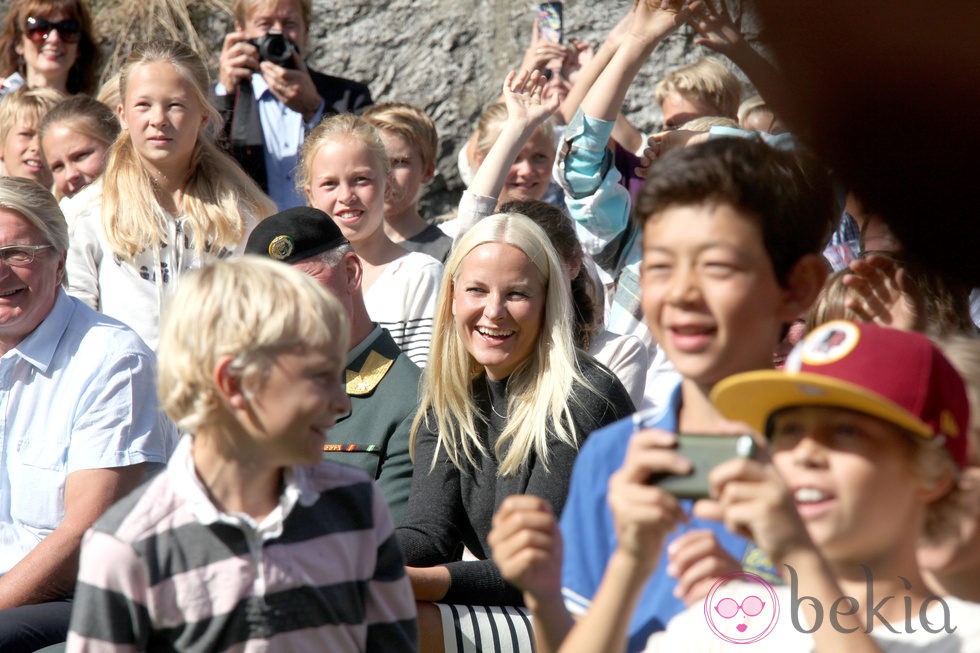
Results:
589 532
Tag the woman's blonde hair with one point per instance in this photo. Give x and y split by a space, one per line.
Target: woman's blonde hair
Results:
216 190
539 388
250 308
342 126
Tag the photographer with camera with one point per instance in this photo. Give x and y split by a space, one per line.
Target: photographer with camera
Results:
269 98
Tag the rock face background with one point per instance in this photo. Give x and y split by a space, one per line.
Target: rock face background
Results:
450 58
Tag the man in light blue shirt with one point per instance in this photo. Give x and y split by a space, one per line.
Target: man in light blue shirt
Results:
270 104
79 420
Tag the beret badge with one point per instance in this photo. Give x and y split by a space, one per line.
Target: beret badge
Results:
281 247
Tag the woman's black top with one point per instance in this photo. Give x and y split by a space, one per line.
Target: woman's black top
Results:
449 509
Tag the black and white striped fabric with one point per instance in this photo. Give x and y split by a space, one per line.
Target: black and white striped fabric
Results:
474 629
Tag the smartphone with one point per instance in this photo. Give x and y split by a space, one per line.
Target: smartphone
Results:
705 451
550 21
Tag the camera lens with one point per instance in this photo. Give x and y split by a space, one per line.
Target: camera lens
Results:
277 48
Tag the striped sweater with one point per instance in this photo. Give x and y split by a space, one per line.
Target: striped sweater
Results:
403 300
164 570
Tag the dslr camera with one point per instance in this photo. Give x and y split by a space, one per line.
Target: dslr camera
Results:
276 48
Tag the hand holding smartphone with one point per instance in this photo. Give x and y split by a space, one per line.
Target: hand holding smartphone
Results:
705 451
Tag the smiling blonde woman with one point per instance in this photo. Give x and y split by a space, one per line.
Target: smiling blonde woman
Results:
507 401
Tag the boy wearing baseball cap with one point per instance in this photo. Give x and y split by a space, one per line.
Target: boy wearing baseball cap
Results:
866 431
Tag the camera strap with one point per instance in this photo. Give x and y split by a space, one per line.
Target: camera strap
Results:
246 127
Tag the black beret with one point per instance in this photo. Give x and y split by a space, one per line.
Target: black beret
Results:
295 234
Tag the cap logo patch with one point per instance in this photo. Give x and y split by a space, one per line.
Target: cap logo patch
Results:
281 247
830 343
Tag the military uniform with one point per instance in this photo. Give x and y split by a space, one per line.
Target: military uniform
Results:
383 385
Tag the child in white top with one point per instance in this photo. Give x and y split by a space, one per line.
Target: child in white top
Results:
344 173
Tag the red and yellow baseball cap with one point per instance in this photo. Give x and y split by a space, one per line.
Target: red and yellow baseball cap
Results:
897 376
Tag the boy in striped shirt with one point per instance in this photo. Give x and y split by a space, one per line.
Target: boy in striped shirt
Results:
248 541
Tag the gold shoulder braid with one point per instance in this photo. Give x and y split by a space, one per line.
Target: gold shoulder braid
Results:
373 370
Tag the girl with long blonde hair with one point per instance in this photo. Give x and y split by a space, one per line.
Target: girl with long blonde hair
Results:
345 173
169 199
506 402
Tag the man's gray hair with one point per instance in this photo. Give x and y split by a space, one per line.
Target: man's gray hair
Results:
38 206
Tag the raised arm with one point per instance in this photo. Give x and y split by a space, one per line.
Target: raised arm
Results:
590 72
880 291
525 112
719 32
527 548
652 21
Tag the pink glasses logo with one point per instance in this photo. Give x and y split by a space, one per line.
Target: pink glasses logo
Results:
741 608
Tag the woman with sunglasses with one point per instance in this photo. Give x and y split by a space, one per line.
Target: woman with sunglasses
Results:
48 43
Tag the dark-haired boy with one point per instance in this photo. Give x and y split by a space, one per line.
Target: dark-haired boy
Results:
731 235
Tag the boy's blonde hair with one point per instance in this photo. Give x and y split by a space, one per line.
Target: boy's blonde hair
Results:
538 390
707 80
250 308
945 515
241 9
27 105
409 122
217 192
335 128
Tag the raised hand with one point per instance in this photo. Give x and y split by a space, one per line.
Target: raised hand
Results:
717 29
663 142
653 19
879 291
541 52
522 94
238 60
293 86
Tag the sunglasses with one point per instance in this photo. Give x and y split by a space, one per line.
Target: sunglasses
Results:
38 29
751 606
